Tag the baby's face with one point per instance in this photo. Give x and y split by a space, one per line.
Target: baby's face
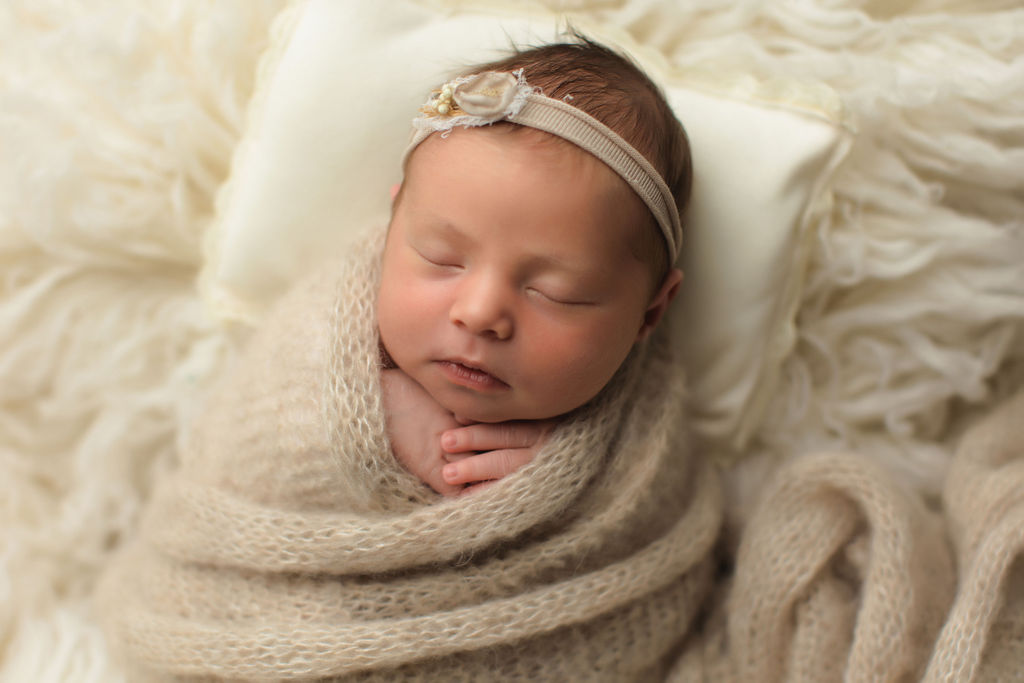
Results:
509 290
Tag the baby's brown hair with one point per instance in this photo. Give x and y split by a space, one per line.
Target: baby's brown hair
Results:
612 89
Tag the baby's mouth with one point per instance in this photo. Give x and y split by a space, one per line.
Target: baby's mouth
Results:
470 376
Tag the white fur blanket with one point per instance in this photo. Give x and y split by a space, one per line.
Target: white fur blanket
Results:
116 129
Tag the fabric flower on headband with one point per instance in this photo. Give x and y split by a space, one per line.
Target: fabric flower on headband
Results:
475 100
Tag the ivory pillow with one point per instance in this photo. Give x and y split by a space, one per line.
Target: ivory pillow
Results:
330 118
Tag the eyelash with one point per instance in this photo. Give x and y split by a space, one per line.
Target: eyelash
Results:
561 302
534 290
435 262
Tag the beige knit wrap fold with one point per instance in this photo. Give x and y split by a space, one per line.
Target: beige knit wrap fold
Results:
842 576
291 545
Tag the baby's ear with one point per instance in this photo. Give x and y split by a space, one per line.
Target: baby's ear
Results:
659 303
394 190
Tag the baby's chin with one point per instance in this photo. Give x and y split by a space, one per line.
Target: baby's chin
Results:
466 412
491 415
467 417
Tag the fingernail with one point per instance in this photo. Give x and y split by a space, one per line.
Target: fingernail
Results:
448 440
450 472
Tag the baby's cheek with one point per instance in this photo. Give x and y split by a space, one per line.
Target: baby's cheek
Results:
408 311
424 303
580 361
393 318
562 356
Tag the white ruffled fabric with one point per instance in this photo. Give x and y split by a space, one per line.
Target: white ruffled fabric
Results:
117 127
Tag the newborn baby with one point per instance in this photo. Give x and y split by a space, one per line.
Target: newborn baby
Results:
530 252
527 253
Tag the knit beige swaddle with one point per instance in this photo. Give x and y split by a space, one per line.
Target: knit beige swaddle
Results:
291 545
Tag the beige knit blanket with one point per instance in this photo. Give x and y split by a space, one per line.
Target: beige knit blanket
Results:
842 576
291 545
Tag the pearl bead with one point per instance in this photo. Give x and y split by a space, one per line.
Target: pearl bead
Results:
443 108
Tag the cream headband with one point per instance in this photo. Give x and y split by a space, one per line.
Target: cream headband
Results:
482 99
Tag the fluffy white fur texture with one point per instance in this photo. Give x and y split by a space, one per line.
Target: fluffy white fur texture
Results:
117 125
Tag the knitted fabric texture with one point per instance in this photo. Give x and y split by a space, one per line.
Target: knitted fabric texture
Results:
291 545
843 576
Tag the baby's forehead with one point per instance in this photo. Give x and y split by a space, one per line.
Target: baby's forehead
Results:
549 149
509 152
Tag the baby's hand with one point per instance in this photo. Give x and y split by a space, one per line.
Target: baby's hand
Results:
481 453
415 423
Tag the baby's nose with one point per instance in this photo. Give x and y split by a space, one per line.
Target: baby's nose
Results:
481 308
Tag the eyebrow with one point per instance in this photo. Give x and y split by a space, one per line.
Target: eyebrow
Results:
444 226
547 260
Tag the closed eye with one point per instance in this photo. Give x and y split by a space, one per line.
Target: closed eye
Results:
438 260
563 301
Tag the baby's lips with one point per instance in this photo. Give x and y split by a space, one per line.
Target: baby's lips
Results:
471 368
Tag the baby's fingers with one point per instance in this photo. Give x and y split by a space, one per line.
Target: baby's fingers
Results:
490 437
486 466
434 476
